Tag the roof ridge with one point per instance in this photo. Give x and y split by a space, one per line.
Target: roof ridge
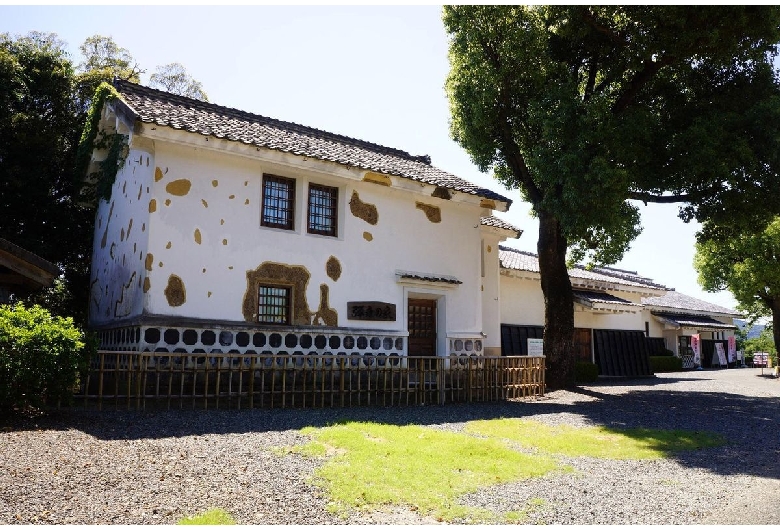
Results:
232 111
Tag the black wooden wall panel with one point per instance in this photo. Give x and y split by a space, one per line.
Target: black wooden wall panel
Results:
622 352
514 338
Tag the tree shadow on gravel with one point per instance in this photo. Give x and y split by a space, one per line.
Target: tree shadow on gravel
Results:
748 424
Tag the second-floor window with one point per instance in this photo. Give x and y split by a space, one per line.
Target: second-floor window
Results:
323 210
278 202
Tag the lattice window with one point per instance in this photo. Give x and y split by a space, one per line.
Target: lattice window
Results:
278 202
323 216
273 305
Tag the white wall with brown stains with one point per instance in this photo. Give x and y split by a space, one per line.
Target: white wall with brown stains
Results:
202 238
120 242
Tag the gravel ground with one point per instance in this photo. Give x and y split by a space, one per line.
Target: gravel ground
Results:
156 467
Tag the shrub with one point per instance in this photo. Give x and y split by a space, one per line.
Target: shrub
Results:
41 357
663 363
585 372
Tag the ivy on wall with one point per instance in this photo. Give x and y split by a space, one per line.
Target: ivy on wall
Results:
98 184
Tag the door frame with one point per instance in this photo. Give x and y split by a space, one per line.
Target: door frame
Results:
441 315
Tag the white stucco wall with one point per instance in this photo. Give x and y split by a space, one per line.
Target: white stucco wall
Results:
221 210
491 295
120 241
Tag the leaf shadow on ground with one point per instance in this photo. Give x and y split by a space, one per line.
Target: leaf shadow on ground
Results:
749 424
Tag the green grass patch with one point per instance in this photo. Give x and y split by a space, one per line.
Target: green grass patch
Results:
599 442
209 517
423 468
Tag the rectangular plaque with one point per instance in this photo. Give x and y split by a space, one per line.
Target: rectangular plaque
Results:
535 348
376 311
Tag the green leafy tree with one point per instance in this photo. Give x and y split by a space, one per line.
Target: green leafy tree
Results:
175 79
103 60
39 134
583 108
747 264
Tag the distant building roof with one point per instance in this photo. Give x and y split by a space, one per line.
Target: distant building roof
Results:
700 322
495 222
677 302
179 112
592 298
527 261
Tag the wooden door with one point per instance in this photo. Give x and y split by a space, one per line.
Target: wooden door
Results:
422 327
582 344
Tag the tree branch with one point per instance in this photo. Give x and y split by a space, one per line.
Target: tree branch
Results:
667 199
641 78
512 154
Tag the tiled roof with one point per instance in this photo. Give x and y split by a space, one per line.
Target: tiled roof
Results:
430 278
495 222
178 112
592 297
692 321
527 261
679 301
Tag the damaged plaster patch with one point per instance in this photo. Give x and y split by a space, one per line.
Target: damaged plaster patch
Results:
333 268
325 316
104 239
441 193
367 236
197 236
152 205
433 213
122 309
377 178
158 174
147 284
180 187
149 263
175 292
270 273
205 204
363 210
487 203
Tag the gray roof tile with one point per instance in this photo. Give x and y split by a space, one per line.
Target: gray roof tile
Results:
682 302
495 222
178 112
527 261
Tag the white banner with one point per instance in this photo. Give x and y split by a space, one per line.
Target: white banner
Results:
720 352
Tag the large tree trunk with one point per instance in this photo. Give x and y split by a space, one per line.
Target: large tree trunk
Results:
558 303
775 306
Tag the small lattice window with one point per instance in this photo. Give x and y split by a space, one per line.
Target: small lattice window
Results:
273 305
278 202
323 203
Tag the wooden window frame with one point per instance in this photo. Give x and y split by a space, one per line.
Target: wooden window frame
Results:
319 209
276 211
285 298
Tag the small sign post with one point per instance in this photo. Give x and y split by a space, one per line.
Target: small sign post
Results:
535 347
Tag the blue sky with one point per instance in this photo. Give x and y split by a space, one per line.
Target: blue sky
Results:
374 73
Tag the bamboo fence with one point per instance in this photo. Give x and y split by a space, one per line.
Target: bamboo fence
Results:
141 380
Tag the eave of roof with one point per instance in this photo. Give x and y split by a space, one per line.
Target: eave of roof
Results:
495 222
700 322
513 259
208 119
677 302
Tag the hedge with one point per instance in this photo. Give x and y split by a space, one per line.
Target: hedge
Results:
585 372
665 363
41 358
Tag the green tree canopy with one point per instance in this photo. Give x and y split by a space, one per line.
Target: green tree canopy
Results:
583 108
103 60
39 133
175 79
748 265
